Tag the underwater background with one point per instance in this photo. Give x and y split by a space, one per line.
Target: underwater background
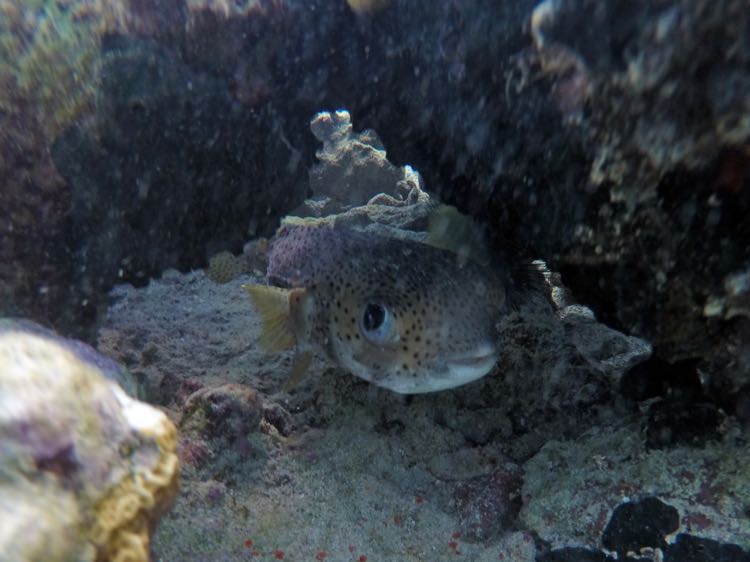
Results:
149 151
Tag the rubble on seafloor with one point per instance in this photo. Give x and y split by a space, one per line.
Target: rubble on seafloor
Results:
543 459
86 471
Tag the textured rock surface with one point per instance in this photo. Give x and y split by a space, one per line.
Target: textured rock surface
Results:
85 471
571 488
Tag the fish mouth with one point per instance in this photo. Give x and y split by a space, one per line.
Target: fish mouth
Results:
467 367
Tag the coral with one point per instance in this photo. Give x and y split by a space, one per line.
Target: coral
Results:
84 465
353 168
107 367
637 132
354 185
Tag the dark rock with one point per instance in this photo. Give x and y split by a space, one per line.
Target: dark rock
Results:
573 554
275 415
742 408
488 504
174 150
641 524
659 378
688 548
672 422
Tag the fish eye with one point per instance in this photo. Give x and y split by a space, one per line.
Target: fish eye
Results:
376 323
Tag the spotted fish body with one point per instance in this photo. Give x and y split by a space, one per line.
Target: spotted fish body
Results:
403 315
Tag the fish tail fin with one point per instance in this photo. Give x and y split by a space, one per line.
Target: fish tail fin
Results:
273 306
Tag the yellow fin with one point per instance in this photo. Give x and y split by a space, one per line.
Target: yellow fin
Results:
450 230
272 303
300 364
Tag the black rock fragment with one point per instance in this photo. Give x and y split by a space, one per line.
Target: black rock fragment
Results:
636 525
688 548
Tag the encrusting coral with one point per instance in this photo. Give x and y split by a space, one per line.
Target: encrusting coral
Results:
225 266
86 471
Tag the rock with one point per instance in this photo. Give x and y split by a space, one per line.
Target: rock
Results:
355 186
678 421
489 504
277 417
638 525
85 470
687 548
658 378
571 489
573 554
353 168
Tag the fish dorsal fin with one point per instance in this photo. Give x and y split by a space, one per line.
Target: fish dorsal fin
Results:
450 230
273 306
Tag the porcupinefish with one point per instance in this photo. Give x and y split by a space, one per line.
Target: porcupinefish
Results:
403 315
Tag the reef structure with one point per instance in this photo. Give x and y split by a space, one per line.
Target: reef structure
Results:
86 471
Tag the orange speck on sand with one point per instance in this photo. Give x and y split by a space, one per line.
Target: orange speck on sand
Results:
453 545
322 555
278 554
363 558
419 500
248 543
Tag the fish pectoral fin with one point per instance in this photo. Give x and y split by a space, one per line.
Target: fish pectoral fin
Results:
300 364
450 230
273 306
